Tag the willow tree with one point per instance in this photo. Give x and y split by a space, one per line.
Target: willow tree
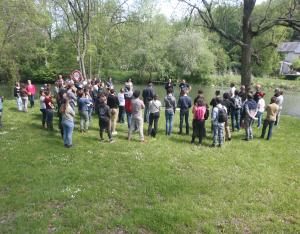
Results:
280 12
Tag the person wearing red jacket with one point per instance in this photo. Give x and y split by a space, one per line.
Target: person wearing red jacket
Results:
31 90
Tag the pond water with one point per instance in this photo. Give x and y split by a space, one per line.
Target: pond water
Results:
291 105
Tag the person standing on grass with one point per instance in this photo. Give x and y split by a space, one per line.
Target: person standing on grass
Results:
279 102
17 95
169 85
148 94
129 85
184 103
24 97
121 98
128 107
236 111
113 103
60 100
170 108
272 111
71 94
213 100
137 119
31 90
49 110
228 103
88 94
104 114
200 95
232 90
83 109
67 122
1 110
43 108
260 109
199 111
184 87
154 110
250 109
218 118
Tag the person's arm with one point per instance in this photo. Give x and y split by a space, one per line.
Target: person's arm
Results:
214 114
179 103
142 105
194 109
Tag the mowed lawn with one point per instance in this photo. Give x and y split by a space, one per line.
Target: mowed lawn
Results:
164 186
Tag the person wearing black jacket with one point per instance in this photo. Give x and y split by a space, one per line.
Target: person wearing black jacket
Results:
227 102
17 95
148 94
113 103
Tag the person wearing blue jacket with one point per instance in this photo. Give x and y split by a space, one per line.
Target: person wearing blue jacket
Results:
184 103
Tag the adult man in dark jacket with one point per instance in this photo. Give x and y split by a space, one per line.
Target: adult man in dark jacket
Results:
148 94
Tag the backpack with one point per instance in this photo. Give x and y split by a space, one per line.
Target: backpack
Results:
237 102
200 113
222 115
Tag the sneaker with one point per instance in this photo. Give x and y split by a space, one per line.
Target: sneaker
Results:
212 146
101 140
111 141
114 133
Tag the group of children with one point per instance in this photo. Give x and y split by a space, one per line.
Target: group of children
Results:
241 108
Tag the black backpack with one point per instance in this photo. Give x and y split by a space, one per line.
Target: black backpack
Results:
222 115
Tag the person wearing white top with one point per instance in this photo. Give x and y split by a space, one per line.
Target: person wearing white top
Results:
43 108
121 98
154 110
279 102
260 109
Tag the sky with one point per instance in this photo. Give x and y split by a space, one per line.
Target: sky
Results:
175 9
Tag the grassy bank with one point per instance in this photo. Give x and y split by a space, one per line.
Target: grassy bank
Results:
163 186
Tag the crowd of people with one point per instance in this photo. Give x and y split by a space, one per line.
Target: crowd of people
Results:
229 112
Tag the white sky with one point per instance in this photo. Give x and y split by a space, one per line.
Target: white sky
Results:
176 9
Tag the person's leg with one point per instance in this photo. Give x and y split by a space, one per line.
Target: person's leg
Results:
259 119
194 131
51 119
187 125
156 118
181 114
271 124
86 120
220 134
215 134
146 113
238 119
116 119
0 119
201 131
151 119
250 128
265 125
101 134
277 118
227 131
171 118
233 119
64 126
81 120
19 103
167 122
123 114
132 128
140 124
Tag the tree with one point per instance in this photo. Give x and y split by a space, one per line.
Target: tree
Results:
285 14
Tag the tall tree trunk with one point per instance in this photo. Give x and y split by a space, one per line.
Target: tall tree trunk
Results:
247 46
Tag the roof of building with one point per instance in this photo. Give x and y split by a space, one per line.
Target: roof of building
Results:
289 47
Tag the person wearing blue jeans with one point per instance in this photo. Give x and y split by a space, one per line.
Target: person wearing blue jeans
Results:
272 111
169 122
170 107
67 123
235 119
184 103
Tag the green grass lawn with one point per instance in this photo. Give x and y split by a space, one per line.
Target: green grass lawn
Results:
163 186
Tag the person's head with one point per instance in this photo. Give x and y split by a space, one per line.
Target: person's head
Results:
243 88
236 93
122 90
183 81
200 91
170 81
226 96
250 95
17 84
60 77
277 91
218 93
200 102
155 97
257 87
218 100
273 100
47 93
29 82
42 93
231 85
112 91
136 93
80 93
150 83
129 80
169 90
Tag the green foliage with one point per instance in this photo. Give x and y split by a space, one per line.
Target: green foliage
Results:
296 64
